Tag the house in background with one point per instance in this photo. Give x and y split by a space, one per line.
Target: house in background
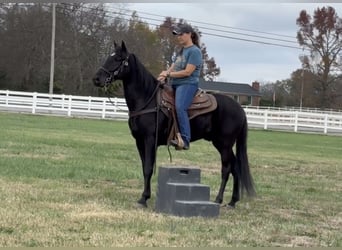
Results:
245 94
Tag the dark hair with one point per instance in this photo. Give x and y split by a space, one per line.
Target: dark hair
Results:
195 39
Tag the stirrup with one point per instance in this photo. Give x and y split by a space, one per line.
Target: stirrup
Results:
178 142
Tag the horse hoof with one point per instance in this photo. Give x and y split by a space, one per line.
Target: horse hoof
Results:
229 206
141 204
218 201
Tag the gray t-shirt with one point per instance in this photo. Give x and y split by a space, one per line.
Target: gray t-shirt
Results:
191 55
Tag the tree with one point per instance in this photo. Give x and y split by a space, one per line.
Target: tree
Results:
210 71
303 89
322 36
79 35
25 31
144 42
275 94
167 41
24 46
267 91
84 38
141 41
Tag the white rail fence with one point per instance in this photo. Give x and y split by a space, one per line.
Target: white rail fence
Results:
65 105
98 107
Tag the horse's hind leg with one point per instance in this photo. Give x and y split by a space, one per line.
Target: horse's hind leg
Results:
236 184
224 179
228 166
226 156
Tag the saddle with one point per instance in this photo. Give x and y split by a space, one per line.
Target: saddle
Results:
201 104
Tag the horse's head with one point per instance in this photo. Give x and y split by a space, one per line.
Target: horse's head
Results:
115 67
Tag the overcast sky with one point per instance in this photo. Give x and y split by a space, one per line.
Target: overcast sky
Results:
242 61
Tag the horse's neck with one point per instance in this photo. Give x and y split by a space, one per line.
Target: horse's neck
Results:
138 86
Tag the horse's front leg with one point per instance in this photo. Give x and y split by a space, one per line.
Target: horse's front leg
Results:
147 153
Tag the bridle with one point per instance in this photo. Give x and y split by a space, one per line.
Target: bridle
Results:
112 77
112 74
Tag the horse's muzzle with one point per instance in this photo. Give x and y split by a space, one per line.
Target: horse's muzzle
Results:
97 82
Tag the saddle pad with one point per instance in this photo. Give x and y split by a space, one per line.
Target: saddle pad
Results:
202 102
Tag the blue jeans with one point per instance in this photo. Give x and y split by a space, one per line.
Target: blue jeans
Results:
184 95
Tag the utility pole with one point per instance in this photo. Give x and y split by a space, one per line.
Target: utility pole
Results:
302 87
301 91
52 67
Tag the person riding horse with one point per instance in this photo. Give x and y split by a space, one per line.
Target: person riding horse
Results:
184 77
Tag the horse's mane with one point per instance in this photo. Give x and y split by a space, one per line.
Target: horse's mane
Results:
147 79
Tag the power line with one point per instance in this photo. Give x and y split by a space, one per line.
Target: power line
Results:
219 30
225 31
110 14
254 41
206 23
239 33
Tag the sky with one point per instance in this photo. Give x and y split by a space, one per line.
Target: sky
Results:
242 61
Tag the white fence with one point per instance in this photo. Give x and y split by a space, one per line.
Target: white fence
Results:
97 107
65 105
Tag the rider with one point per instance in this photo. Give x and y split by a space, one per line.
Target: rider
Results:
184 77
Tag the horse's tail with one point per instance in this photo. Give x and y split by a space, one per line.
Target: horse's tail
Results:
244 174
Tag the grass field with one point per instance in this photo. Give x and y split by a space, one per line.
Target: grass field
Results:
74 182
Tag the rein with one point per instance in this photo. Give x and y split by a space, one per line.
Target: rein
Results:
143 110
156 109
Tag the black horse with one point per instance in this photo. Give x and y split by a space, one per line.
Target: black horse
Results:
224 126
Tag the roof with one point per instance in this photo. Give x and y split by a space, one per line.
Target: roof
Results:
228 87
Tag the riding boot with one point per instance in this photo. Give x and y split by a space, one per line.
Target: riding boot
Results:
179 143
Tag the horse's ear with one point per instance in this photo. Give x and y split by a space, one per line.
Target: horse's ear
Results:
115 44
123 46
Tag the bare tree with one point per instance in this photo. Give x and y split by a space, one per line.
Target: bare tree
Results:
322 36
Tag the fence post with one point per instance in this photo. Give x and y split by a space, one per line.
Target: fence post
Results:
325 123
296 122
7 96
63 100
116 105
265 119
89 103
34 102
69 105
104 108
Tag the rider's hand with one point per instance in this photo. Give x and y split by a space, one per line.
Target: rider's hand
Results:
163 75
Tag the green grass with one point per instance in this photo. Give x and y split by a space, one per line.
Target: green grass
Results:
74 182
